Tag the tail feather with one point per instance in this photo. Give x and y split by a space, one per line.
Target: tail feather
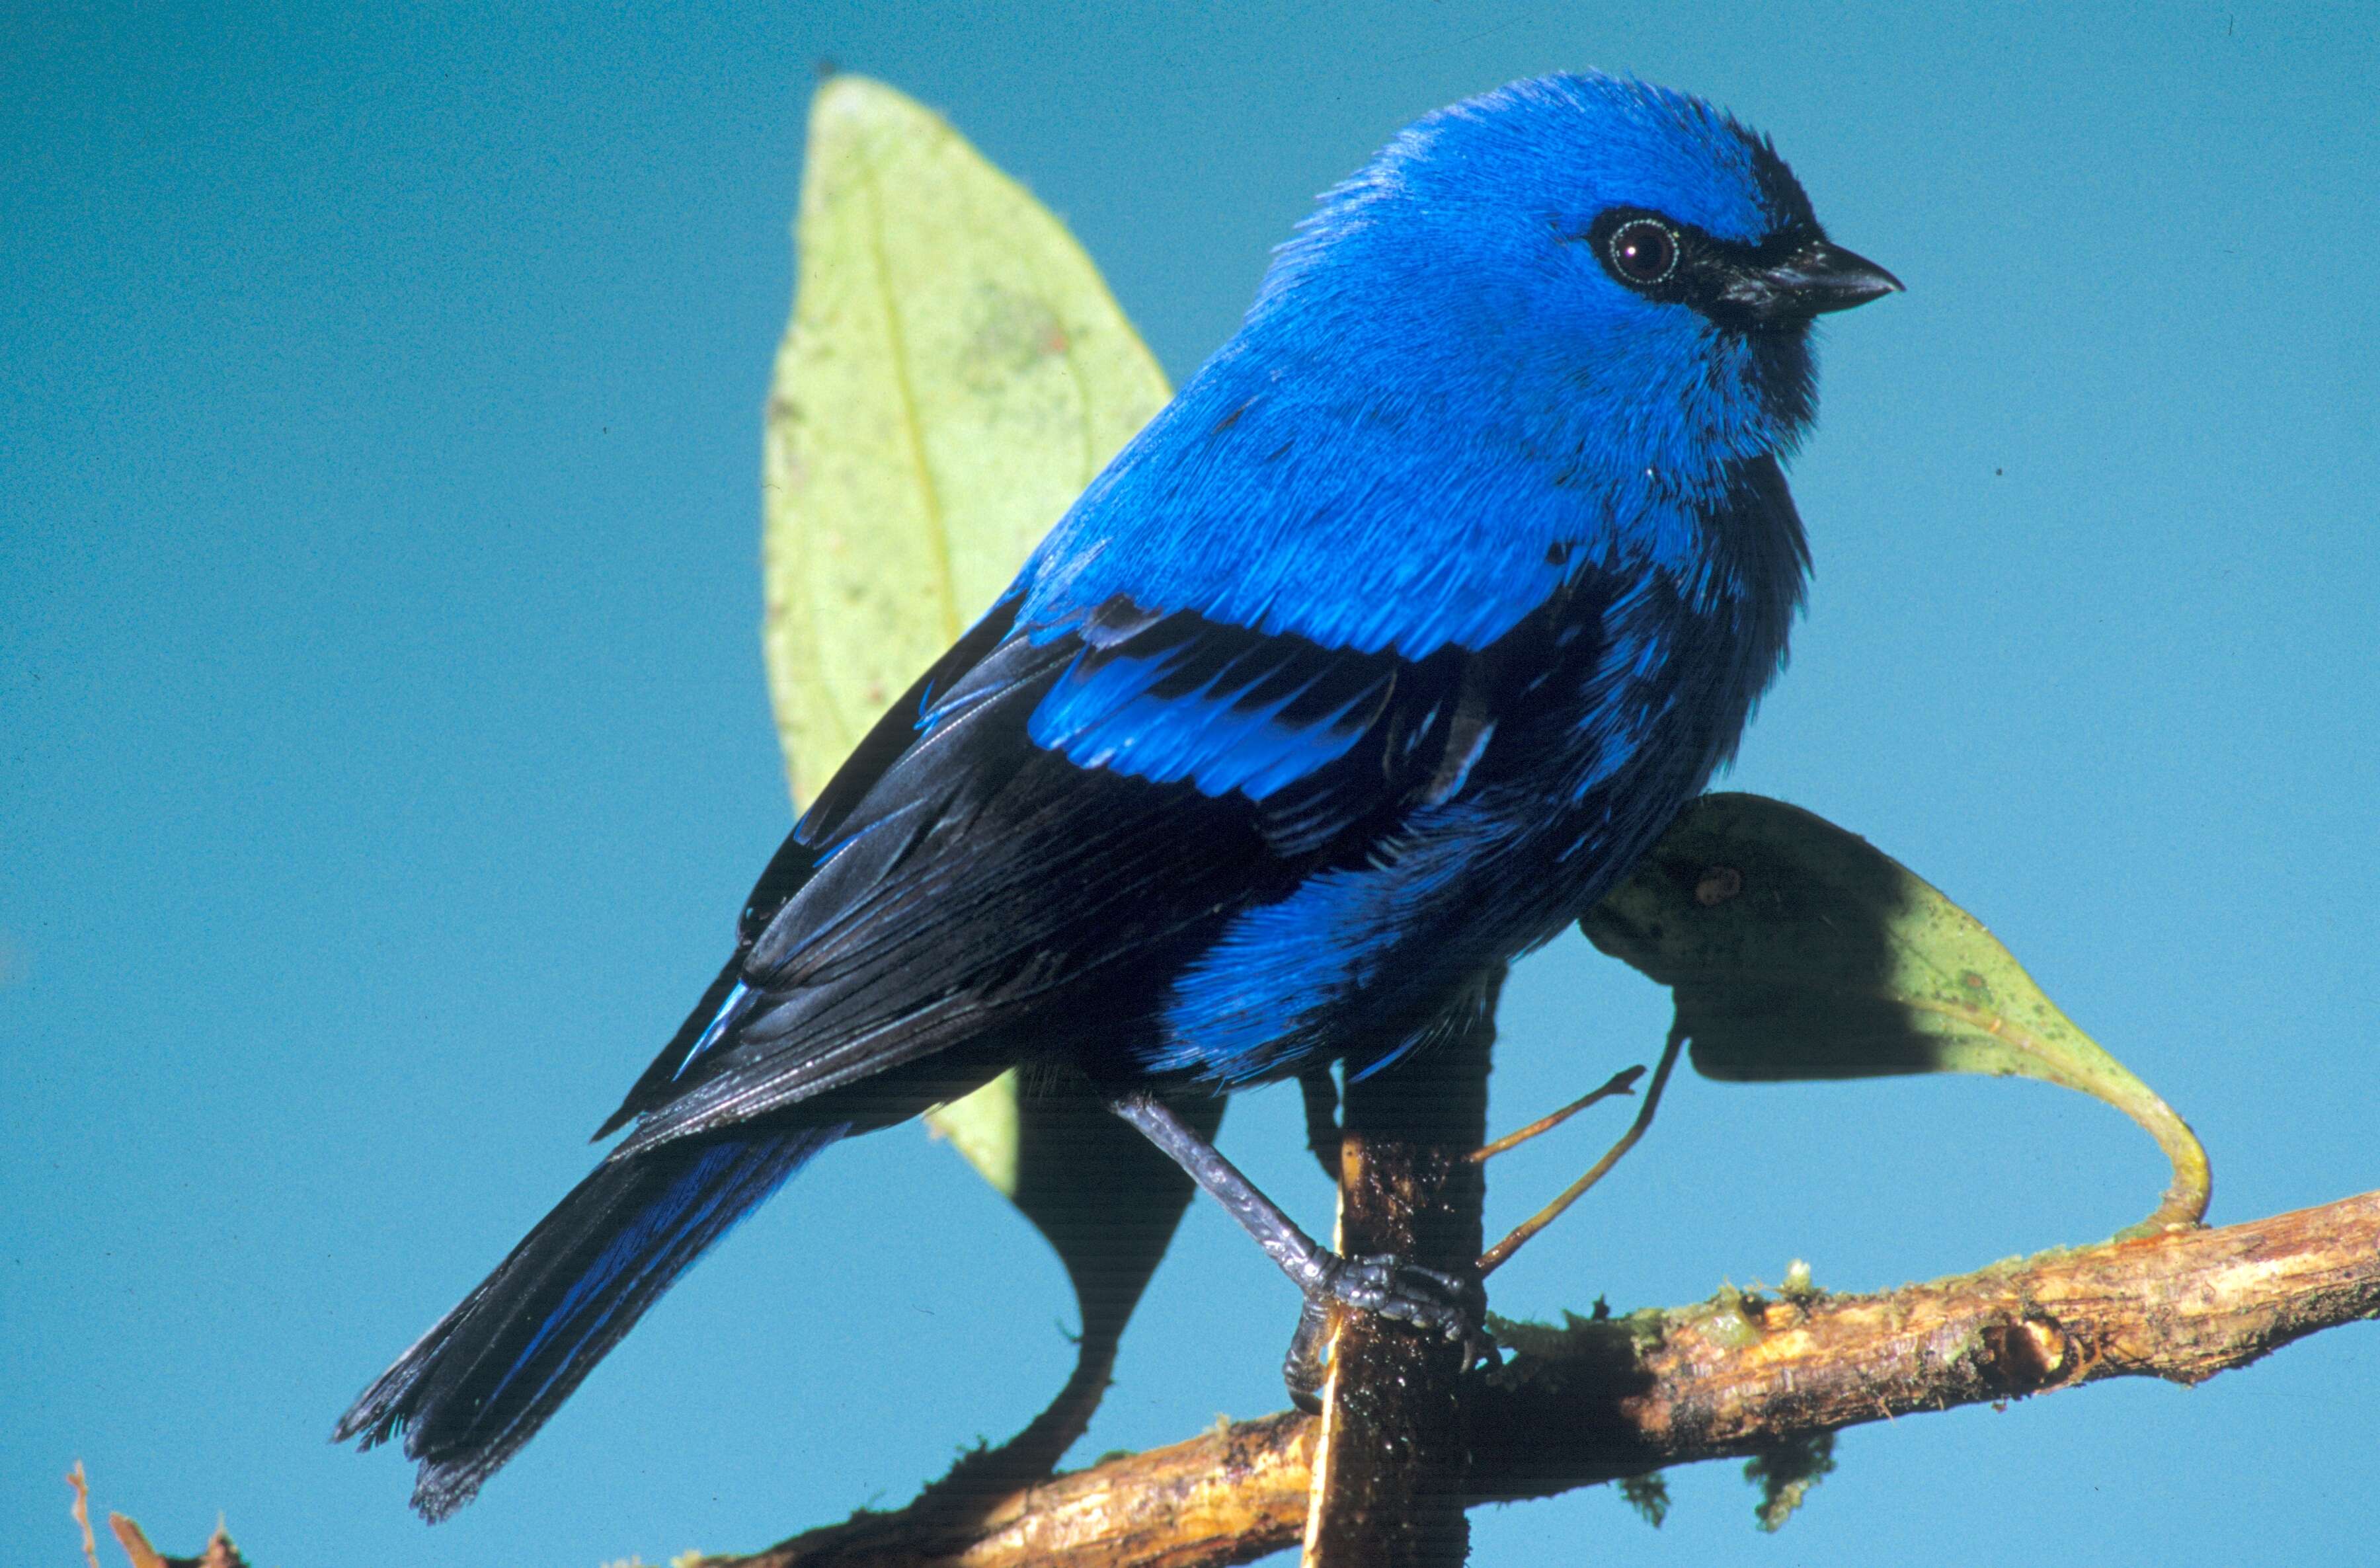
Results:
481 1383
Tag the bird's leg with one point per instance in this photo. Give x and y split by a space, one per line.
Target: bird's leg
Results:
1496 1256
1430 1299
1321 1119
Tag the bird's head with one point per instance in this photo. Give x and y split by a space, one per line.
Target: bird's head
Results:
1615 259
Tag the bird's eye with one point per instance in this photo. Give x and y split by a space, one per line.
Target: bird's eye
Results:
1643 251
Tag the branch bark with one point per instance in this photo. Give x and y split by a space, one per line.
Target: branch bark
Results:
1739 1375
1391 1457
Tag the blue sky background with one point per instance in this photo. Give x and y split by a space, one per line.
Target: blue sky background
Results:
384 751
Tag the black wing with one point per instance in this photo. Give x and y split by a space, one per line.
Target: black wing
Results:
1041 833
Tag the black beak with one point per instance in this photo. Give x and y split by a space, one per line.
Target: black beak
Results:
1816 279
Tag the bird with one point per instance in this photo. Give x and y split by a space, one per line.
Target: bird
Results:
1384 651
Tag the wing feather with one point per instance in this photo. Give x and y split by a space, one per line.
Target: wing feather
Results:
1076 809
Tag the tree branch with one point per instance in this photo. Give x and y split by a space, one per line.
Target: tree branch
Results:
1742 1374
1391 1453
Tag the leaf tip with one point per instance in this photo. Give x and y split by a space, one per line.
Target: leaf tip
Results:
847 103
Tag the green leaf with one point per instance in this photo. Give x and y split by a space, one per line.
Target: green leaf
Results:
1799 951
954 374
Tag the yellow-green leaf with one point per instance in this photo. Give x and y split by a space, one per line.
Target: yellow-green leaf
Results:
1797 950
954 374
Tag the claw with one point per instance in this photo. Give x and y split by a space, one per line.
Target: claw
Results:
1451 1306
1308 1366
1442 1304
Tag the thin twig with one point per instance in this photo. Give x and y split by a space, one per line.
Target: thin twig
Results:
1620 1082
81 1512
1496 1256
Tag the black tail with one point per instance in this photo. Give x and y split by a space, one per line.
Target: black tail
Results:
475 1388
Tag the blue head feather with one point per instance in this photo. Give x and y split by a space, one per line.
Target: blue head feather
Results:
1442 404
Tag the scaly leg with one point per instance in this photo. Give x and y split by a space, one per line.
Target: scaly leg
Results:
1432 1301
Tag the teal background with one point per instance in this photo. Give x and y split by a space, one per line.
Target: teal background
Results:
384 751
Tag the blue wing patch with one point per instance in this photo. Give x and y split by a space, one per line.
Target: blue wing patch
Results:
1179 698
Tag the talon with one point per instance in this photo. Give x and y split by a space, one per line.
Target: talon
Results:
1432 1299
1440 1303
1306 1366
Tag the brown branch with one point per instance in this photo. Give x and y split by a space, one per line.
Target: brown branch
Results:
220 1552
1738 1375
1390 1454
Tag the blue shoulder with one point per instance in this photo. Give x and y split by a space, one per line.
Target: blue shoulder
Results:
1255 581
1291 505
1178 698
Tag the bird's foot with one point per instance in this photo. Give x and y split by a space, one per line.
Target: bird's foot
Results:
1451 1307
1443 1304
1433 1300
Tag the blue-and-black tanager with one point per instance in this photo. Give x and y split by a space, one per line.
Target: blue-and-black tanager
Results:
1374 661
